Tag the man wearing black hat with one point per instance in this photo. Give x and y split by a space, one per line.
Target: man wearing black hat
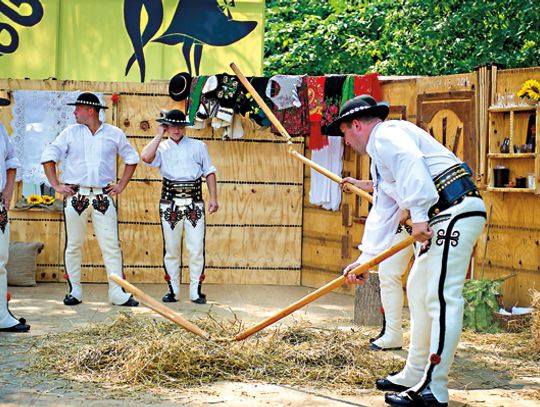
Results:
447 215
183 162
88 183
8 168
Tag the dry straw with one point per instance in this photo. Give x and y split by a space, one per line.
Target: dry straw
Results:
134 351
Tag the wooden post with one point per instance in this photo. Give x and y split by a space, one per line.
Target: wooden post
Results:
367 302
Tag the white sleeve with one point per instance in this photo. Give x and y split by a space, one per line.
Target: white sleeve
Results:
415 189
381 226
126 150
12 162
57 148
206 162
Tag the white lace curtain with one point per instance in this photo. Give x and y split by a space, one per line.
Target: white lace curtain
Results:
38 117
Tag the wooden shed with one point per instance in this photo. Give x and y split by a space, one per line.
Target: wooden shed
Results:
266 232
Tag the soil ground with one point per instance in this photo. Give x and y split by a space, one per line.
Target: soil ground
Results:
475 382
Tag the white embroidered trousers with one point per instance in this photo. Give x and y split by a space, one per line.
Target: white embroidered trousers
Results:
390 272
185 217
78 209
434 290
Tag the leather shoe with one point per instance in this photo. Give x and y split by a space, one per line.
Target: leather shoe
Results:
71 300
132 302
387 385
424 399
20 327
202 295
372 346
169 297
199 300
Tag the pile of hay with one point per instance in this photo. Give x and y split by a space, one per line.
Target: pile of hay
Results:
133 351
535 325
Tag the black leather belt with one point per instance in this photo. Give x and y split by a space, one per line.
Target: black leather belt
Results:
182 189
453 185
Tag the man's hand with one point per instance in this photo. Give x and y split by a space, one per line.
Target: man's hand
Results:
422 233
353 279
65 190
365 185
162 129
113 189
403 216
212 206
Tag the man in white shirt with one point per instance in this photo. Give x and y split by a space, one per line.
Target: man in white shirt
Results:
447 215
182 162
8 168
88 183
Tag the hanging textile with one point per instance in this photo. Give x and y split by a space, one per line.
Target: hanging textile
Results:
38 117
316 105
368 85
323 191
333 87
294 119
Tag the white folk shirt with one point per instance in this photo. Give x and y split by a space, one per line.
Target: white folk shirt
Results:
404 161
90 160
9 161
186 161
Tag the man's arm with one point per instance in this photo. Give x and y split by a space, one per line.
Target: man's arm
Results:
50 171
115 189
10 184
211 182
365 185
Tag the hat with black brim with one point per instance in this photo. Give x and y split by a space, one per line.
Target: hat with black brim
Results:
88 99
179 86
360 106
4 98
175 118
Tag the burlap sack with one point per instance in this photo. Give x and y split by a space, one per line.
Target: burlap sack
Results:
21 266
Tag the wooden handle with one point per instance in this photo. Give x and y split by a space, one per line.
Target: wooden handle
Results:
160 308
324 289
261 102
329 174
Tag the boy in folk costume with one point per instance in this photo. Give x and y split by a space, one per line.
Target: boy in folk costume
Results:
447 214
8 167
90 149
182 162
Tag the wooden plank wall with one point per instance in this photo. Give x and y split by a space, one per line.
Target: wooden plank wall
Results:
514 232
255 237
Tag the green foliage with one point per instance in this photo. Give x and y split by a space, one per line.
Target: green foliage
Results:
399 37
480 301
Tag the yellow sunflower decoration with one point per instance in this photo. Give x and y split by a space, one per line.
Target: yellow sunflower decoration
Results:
530 91
34 199
48 200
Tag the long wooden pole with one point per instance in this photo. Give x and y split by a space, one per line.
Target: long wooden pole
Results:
324 289
285 134
160 308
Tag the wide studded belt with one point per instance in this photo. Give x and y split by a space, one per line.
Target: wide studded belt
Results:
182 189
453 185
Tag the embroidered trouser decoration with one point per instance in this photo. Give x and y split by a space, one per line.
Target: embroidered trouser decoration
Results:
390 273
434 291
101 203
192 223
77 212
6 318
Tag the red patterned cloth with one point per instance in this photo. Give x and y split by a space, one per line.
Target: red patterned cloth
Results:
315 85
368 85
295 119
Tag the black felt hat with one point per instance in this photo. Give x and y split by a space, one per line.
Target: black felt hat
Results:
174 117
179 86
359 106
88 99
4 98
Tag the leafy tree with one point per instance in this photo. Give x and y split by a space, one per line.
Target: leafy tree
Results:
399 37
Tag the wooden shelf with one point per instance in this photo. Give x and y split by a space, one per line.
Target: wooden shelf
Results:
512 155
522 190
512 109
